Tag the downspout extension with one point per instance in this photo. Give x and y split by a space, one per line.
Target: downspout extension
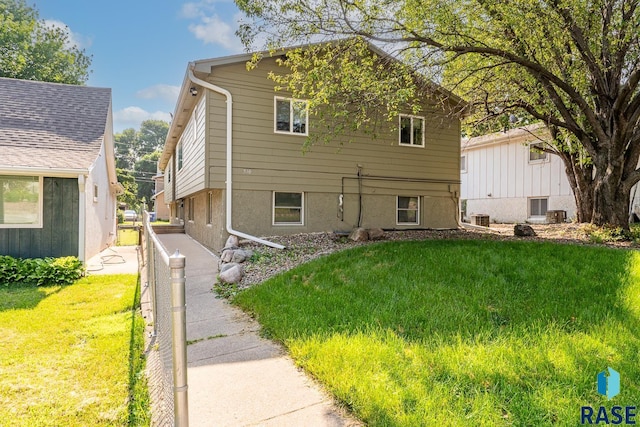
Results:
229 165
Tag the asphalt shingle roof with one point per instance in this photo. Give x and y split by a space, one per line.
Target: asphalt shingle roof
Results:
51 125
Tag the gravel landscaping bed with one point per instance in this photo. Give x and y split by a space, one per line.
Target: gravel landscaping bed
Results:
301 248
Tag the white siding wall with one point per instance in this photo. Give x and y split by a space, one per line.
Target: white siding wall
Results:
499 180
191 177
101 212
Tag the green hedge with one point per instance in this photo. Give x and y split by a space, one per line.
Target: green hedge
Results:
39 272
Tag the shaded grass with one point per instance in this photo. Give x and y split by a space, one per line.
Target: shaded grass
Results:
461 332
72 355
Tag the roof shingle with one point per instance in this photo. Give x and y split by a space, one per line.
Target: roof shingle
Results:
51 125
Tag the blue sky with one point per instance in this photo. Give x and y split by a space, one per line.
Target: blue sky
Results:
141 48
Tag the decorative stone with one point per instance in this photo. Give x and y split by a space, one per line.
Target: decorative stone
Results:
523 230
232 242
231 273
226 267
359 235
227 255
375 233
238 256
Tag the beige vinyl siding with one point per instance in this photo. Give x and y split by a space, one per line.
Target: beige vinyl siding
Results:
265 160
191 177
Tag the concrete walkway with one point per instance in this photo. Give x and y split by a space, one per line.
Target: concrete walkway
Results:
235 377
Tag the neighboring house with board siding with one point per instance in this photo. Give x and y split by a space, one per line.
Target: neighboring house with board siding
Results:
506 177
58 181
234 164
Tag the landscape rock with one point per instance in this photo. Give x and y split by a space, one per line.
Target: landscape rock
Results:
239 256
523 230
232 242
227 255
231 273
375 233
359 235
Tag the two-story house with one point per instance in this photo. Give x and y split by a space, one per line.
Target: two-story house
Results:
234 164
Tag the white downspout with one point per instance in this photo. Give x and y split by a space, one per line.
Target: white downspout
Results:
82 217
227 95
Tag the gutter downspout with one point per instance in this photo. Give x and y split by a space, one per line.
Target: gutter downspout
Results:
229 198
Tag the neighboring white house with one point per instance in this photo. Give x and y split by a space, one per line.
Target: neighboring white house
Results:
58 182
505 177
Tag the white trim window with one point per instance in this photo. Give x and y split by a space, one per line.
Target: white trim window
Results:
191 209
407 210
536 155
21 201
538 206
288 208
210 207
179 154
290 116
411 131
463 164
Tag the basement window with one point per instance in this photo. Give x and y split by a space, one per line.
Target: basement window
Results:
288 208
407 210
538 207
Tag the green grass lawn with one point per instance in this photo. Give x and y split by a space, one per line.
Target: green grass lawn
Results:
127 237
461 333
72 356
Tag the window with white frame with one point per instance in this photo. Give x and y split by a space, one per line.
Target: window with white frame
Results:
288 208
21 201
463 164
291 116
210 202
411 131
538 206
179 150
95 193
190 208
407 210
536 154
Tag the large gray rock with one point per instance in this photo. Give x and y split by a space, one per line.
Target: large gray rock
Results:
239 256
232 242
231 273
375 233
227 255
523 230
359 235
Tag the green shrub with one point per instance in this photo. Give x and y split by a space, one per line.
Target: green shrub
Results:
39 272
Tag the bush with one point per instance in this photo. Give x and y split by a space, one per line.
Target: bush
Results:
39 272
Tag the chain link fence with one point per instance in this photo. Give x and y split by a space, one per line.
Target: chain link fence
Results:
166 360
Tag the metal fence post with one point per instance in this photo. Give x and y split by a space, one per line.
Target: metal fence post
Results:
179 333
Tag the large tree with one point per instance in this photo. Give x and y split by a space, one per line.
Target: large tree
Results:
137 153
32 50
572 64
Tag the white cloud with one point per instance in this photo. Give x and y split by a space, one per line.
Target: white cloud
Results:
164 92
132 117
75 39
210 27
213 30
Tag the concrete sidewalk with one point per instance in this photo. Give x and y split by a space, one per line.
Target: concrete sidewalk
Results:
235 377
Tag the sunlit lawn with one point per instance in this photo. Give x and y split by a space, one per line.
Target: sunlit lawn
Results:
461 333
72 356
127 237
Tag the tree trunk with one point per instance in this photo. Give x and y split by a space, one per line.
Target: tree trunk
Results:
610 202
581 181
